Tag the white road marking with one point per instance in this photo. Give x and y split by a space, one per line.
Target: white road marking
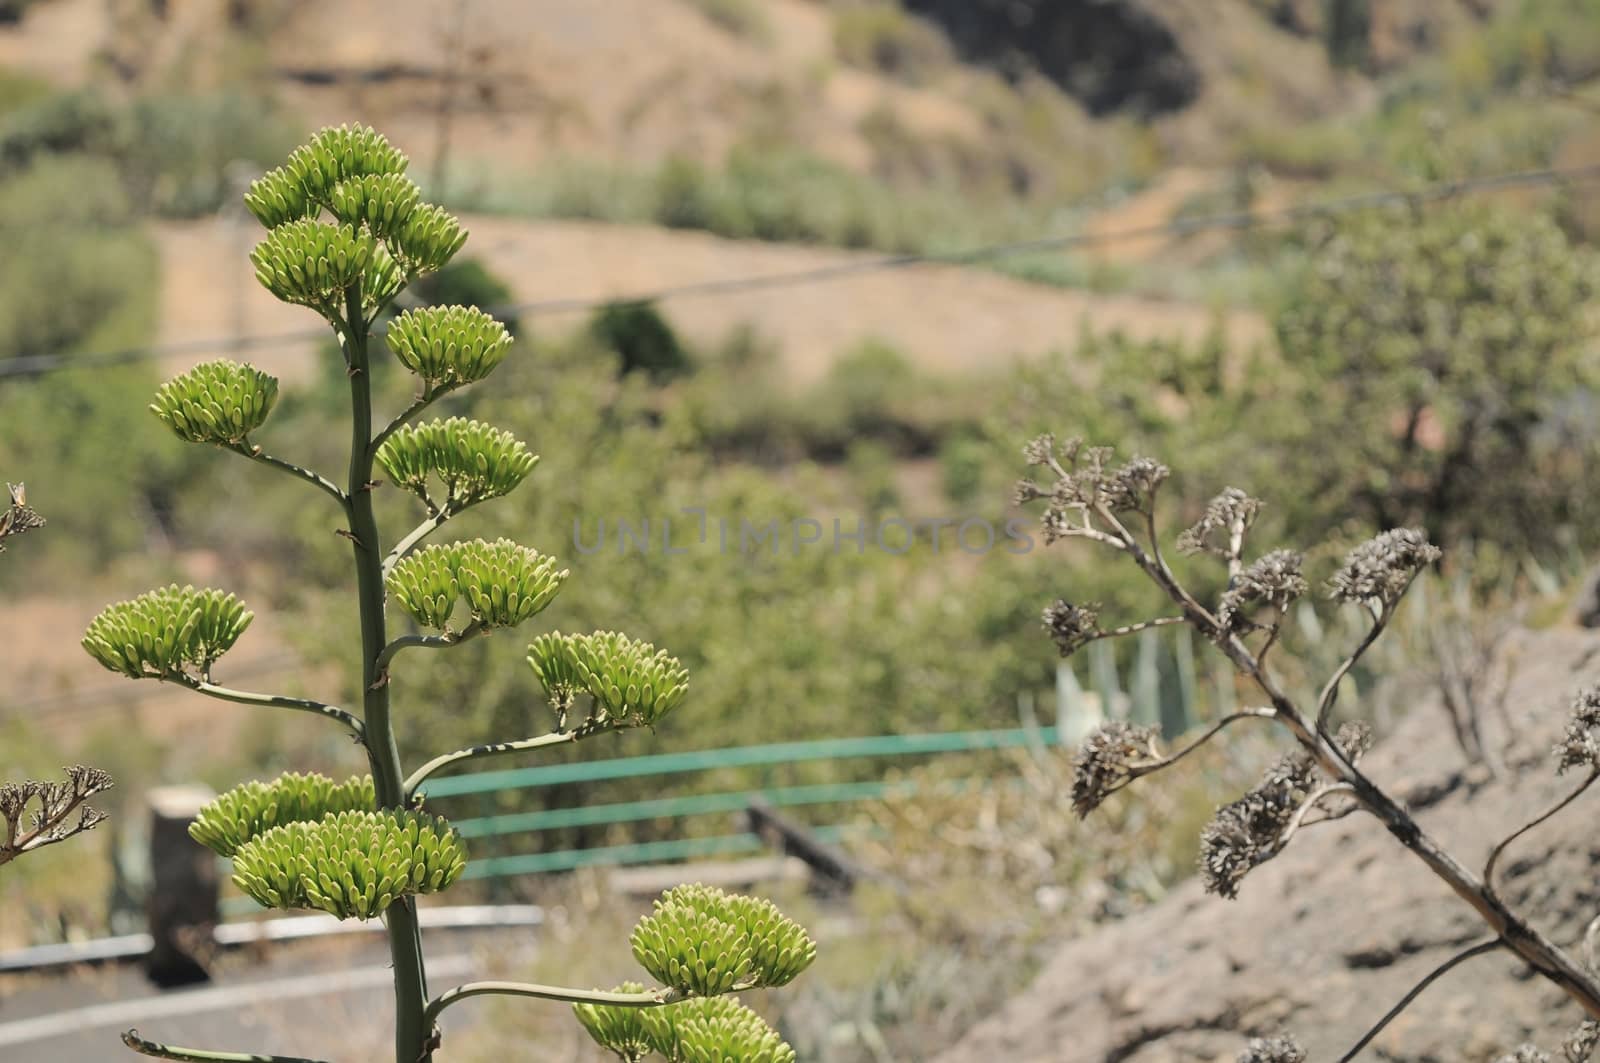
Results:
220 998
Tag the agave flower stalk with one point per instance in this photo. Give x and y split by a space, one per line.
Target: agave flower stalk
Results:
346 232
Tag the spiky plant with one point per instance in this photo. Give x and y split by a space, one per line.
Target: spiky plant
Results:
346 232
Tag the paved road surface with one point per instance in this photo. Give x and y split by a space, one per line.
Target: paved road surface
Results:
328 1001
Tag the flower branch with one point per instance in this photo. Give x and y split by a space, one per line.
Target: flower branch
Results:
649 999
276 701
132 1039
449 638
499 749
1432 976
415 537
322 483
1494 856
427 397
1330 691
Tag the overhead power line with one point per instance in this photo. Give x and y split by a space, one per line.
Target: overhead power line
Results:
40 364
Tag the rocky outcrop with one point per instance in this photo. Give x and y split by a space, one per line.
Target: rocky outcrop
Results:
1323 940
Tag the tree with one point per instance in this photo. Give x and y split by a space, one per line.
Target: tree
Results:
1435 373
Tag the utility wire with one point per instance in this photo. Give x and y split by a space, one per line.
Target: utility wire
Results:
41 364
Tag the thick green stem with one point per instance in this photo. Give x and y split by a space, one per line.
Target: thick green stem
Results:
411 1028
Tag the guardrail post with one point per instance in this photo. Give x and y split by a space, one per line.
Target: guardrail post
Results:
791 839
182 906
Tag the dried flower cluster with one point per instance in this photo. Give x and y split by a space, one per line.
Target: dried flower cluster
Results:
1273 579
37 814
1354 738
1581 1043
1229 514
1133 485
1086 481
17 517
1525 1054
1071 626
1383 567
1577 1048
1280 1049
1580 745
1246 833
1106 761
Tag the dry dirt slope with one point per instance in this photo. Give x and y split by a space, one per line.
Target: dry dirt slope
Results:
1325 939
945 318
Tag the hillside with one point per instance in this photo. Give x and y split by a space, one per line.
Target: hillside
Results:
1327 937
955 320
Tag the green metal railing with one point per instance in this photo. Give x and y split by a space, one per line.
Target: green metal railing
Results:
739 757
495 827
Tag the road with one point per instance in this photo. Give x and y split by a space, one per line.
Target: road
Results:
326 1000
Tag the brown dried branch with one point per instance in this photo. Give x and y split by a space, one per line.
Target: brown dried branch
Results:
36 814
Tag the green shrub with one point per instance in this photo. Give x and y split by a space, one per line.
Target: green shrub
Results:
1441 348
742 18
59 123
78 277
182 152
962 460
641 337
884 37
468 282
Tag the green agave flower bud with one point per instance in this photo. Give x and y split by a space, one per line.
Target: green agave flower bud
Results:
429 238
691 950
476 462
555 662
253 808
618 1030
426 585
277 197
271 868
338 154
448 346
381 202
780 948
216 402
161 631
350 864
633 682
714 1030
311 263
505 583
382 280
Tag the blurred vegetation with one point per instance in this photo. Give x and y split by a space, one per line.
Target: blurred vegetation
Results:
176 154
641 337
1496 96
79 275
742 18
881 35
1451 355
